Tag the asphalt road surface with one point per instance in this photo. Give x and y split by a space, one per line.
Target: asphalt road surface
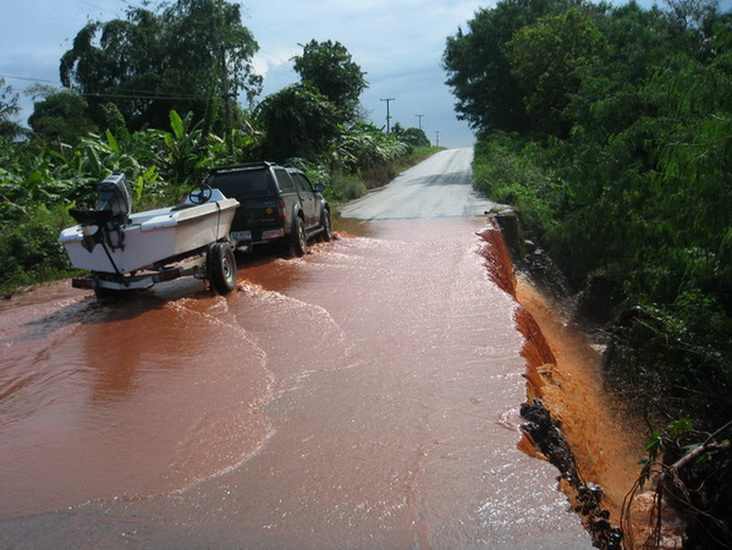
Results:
439 187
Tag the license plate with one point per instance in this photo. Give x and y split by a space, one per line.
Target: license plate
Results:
241 236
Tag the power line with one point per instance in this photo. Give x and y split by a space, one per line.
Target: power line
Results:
126 2
121 93
133 95
97 7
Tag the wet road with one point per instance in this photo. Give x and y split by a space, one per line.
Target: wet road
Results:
364 396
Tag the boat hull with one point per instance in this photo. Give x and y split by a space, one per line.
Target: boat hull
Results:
154 236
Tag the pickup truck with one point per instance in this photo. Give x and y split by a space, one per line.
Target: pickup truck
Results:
276 204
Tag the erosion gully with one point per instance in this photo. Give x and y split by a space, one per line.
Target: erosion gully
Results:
364 396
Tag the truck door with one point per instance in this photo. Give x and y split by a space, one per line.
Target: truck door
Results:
307 198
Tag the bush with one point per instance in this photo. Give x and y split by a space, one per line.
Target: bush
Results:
30 250
509 170
345 187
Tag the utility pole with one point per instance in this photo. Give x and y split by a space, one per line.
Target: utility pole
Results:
420 120
388 116
437 138
226 97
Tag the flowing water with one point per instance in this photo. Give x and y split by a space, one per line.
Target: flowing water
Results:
364 396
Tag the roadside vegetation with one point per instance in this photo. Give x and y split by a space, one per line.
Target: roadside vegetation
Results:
156 96
610 129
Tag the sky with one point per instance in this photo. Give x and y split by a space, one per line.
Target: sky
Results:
397 43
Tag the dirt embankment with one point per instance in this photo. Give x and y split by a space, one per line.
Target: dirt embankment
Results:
569 420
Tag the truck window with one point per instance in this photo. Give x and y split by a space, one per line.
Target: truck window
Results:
283 178
242 184
303 185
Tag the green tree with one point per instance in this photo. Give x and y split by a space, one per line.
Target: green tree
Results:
330 69
192 56
479 71
298 121
8 109
61 115
549 58
108 117
411 136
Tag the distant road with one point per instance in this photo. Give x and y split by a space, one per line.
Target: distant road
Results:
439 187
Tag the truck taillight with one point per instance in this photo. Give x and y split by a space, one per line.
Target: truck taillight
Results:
281 210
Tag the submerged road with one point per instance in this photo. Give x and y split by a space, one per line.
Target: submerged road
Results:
364 396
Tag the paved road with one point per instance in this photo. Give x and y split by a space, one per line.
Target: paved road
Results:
440 187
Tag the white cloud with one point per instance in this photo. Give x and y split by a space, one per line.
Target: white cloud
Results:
264 62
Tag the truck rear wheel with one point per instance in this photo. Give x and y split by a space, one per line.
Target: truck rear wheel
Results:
298 237
325 236
222 268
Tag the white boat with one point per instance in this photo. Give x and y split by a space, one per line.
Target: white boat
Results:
115 244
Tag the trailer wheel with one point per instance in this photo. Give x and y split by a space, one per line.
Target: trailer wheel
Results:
110 296
222 268
105 294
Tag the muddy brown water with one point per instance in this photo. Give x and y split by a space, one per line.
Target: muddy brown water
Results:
364 396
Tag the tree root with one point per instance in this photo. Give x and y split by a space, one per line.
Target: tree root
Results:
683 498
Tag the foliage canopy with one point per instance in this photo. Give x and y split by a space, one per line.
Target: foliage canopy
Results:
329 67
193 56
479 71
299 121
62 115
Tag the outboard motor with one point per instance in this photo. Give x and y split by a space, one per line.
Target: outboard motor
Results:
104 223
